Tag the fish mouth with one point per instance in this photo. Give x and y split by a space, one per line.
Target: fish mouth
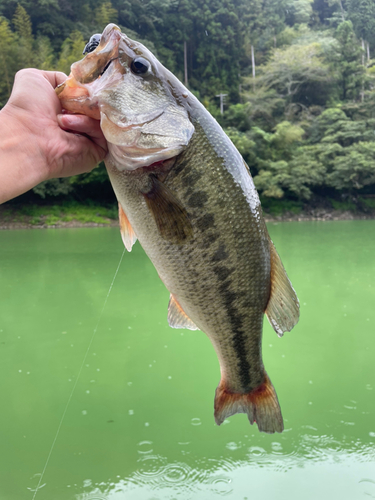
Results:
78 94
76 99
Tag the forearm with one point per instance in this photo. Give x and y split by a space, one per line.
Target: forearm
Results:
21 161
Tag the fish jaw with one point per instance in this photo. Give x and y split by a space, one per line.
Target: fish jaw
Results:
79 93
76 99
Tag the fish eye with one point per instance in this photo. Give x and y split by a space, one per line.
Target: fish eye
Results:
139 66
92 43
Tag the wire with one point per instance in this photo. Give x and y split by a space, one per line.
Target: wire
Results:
75 384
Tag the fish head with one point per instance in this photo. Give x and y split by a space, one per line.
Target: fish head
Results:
142 107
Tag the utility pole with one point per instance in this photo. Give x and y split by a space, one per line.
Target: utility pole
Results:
221 102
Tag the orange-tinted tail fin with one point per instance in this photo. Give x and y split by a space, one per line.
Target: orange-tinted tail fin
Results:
261 406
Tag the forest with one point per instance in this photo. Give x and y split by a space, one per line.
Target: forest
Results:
298 78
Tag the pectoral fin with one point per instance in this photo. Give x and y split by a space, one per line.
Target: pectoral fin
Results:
170 216
283 306
177 317
127 234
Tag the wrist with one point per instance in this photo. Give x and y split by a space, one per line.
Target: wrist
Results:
21 158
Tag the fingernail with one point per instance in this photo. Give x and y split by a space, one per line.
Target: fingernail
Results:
66 120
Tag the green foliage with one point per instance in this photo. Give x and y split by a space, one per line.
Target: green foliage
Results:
305 124
295 176
105 14
53 187
368 203
355 168
8 65
279 207
286 134
243 143
348 62
22 25
343 205
299 11
44 56
297 71
71 51
50 215
362 15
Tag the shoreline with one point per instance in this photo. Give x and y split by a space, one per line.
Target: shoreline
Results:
313 215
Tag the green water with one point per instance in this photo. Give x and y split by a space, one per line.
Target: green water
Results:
139 424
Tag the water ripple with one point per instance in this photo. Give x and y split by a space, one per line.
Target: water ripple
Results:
196 421
159 475
145 447
220 485
257 451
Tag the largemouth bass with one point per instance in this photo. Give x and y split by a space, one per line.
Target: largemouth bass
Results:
186 193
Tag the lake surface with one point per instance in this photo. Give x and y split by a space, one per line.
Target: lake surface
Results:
127 412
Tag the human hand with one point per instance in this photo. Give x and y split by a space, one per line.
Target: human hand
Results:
37 141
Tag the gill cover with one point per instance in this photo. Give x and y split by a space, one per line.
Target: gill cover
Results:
138 101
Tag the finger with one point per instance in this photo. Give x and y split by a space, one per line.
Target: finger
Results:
33 90
82 157
83 125
55 78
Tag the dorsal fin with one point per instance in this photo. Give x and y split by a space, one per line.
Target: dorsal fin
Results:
127 234
177 317
283 307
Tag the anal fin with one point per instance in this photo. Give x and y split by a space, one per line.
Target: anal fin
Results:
261 406
177 317
283 306
127 234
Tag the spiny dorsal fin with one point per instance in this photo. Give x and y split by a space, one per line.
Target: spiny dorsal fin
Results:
283 307
127 234
170 216
177 317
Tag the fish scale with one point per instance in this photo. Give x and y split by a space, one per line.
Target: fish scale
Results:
185 192
177 265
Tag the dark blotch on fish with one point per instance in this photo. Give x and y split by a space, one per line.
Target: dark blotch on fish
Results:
236 320
198 199
210 239
205 222
222 272
220 254
191 180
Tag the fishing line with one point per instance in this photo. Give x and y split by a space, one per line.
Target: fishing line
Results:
75 384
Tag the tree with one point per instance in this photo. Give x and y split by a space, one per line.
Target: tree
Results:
298 74
355 169
22 25
295 172
105 14
362 14
71 51
299 11
44 57
8 60
348 62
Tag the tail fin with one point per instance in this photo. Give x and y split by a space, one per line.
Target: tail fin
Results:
261 406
